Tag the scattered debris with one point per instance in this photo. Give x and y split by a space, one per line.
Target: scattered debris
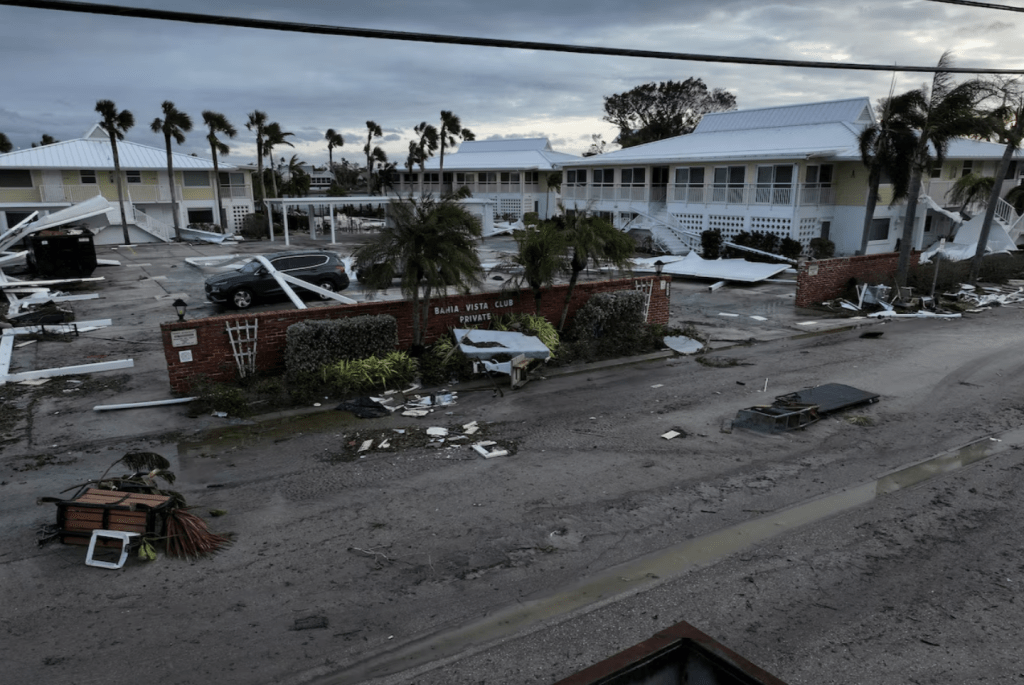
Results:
671 434
683 344
436 432
483 448
139 405
310 623
802 408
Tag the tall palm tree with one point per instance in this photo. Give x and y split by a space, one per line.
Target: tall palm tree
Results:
969 190
1007 122
592 238
432 243
257 122
298 179
425 146
887 148
373 130
948 111
272 137
116 124
218 123
175 124
334 139
451 130
5 143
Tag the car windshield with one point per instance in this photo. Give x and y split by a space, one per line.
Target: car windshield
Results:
251 268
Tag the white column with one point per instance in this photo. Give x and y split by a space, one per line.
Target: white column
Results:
284 222
270 220
330 208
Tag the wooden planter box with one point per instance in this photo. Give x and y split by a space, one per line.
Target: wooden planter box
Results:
110 510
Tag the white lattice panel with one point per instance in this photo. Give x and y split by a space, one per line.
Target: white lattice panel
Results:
730 226
510 206
690 222
237 216
774 225
809 230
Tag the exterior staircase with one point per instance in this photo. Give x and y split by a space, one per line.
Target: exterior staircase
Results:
668 236
136 217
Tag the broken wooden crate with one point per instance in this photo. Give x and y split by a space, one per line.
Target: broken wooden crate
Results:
94 509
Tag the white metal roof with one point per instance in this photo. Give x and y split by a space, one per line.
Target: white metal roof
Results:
853 110
524 154
95 153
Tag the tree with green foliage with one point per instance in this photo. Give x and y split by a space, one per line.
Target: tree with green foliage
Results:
5 143
1007 123
373 152
450 133
175 124
298 180
969 190
272 137
334 139
431 243
47 139
886 148
655 111
592 239
218 123
116 124
256 123
540 253
947 111
423 148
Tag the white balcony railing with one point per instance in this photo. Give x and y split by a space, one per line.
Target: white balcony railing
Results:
817 194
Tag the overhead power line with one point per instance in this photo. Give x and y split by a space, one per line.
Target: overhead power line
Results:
323 29
984 5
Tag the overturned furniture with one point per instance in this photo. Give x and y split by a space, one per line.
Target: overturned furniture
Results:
506 352
802 408
110 510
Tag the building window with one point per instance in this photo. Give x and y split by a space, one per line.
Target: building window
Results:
820 174
232 179
431 178
968 167
15 218
936 171
692 176
464 179
928 224
1011 172
634 177
774 184
87 176
826 227
605 177
487 177
15 178
133 176
576 177
200 216
531 178
196 179
510 177
879 229
729 182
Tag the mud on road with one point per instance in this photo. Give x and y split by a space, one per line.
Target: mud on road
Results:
340 560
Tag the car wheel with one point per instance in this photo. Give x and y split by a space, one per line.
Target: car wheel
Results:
242 299
326 285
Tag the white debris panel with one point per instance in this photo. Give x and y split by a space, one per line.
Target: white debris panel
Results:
485 344
694 266
965 242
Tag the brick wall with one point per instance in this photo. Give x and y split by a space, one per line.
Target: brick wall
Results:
206 340
826 279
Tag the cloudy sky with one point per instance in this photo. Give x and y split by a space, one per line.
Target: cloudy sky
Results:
56 65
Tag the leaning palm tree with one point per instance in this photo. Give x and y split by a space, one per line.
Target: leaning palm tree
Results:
592 238
373 130
116 124
175 124
426 145
886 148
257 122
5 143
948 111
218 123
272 137
970 190
432 244
1007 122
334 139
451 128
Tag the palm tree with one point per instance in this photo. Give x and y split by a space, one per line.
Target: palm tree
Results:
431 243
886 148
334 139
272 137
5 143
948 111
116 124
423 148
1012 110
969 190
218 123
451 128
592 238
47 139
298 179
373 131
257 122
541 255
386 174
175 124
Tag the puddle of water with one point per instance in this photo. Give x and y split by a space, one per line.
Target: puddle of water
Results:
245 435
645 572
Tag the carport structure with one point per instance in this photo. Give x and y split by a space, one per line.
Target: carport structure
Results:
482 207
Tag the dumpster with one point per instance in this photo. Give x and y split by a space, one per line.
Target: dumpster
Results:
66 253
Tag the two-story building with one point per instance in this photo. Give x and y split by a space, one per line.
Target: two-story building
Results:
513 173
55 176
794 171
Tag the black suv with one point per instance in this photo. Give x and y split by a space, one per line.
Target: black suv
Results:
253 282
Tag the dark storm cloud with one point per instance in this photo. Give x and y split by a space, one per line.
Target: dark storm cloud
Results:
64 62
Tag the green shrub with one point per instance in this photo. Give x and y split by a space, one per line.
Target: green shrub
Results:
312 345
790 248
758 240
443 362
254 227
711 244
608 325
822 248
213 396
531 324
371 374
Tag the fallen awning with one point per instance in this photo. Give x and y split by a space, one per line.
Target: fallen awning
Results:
695 266
477 344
